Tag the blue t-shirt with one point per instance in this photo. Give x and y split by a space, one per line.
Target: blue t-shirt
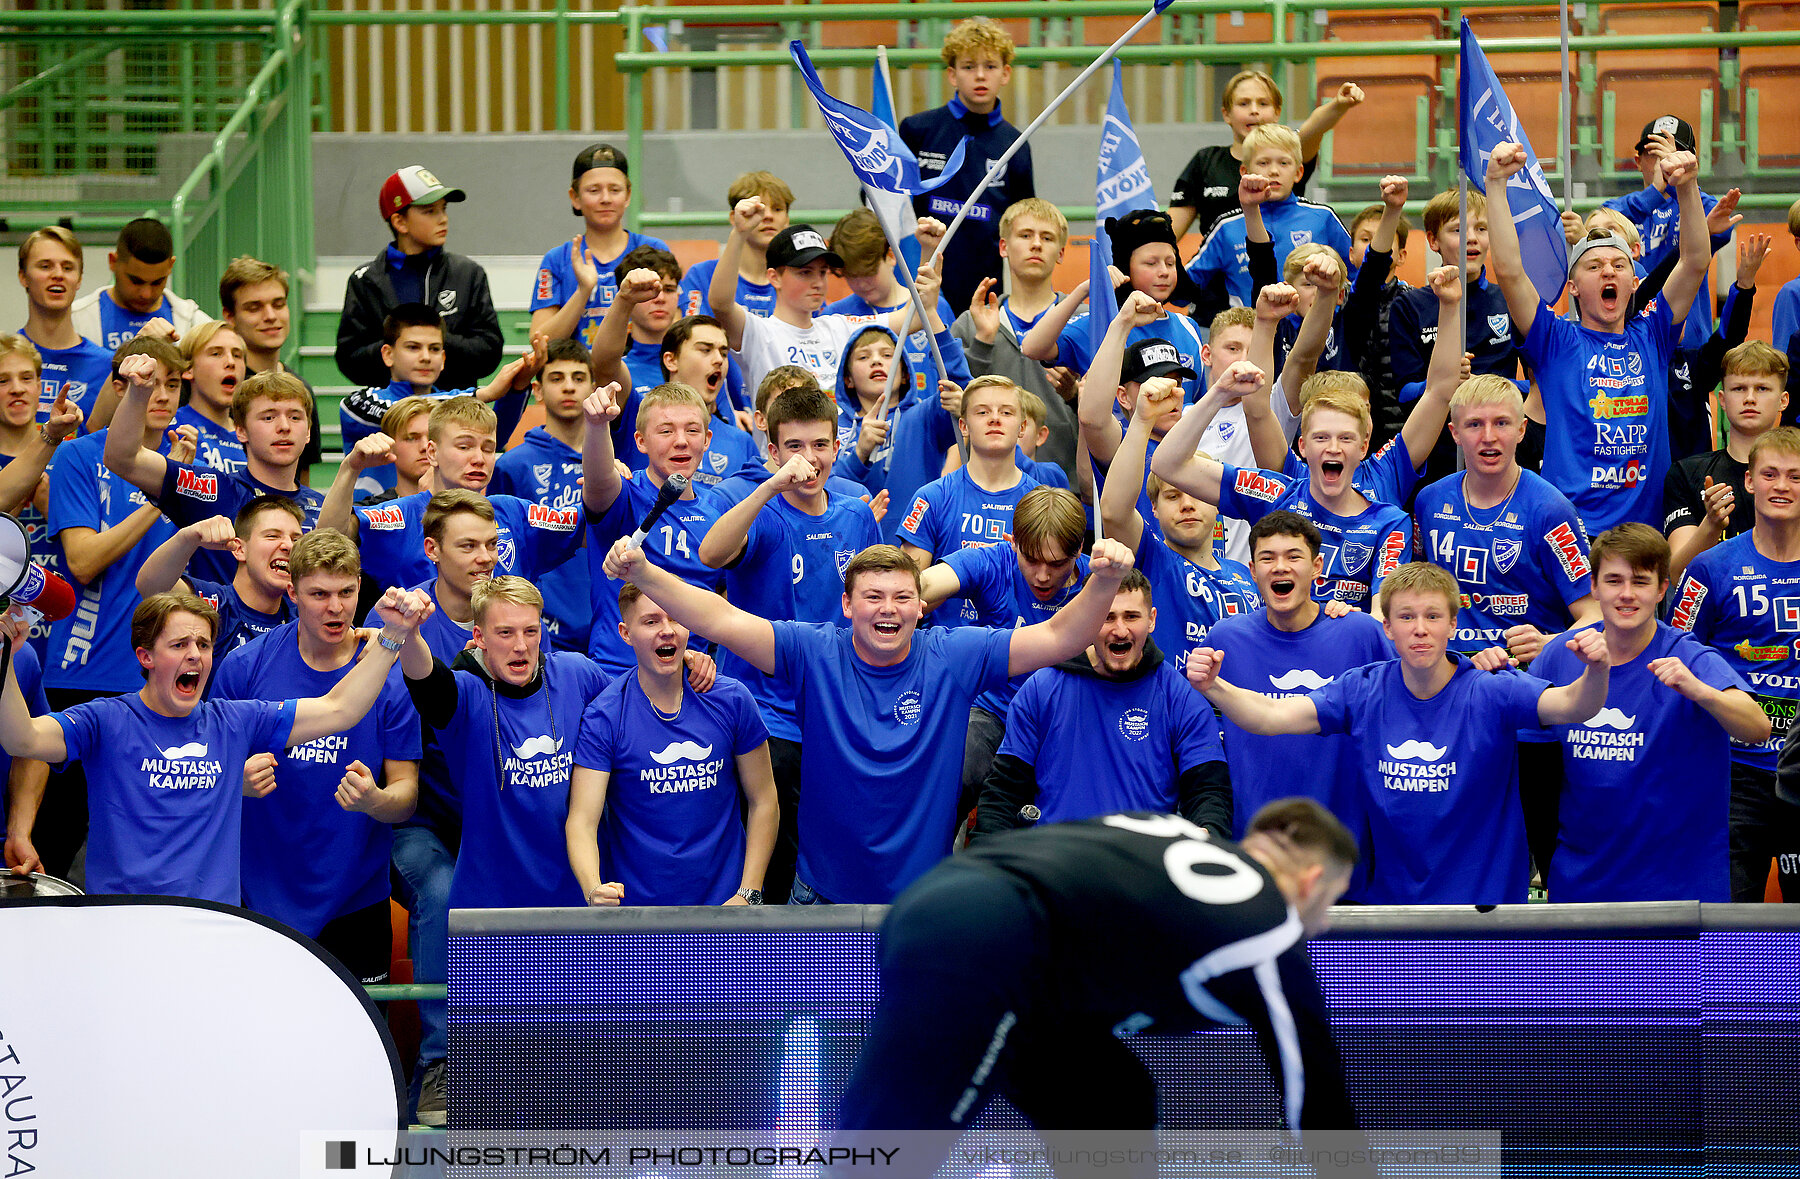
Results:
1523 562
217 446
996 595
955 513
730 451
1440 780
1606 396
1190 600
119 325
534 538
882 762
671 831
30 672
45 551
1102 745
1260 657
792 569
674 544
1359 551
1747 608
1224 261
307 860
1388 476
85 370
191 493
556 283
238 623
545 470
91 649
1075 351
514 854
1646 783
163 792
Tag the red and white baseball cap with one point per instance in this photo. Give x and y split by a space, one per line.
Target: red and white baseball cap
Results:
414 185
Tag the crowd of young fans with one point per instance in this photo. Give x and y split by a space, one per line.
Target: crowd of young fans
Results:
1281 533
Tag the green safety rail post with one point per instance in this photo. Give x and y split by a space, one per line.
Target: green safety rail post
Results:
267 145
390 992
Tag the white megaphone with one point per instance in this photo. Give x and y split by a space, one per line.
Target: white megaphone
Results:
24 582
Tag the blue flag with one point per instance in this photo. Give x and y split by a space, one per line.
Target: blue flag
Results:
1488 120
1123 180
1121 184
880 159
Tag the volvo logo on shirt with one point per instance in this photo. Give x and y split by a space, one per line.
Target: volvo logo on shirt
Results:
1416 767
1134 724
1609 736
182 767
538 762
682 767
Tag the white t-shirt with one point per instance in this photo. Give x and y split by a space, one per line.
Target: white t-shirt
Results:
1228 440
769 343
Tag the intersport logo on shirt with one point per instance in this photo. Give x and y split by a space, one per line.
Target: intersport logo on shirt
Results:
555 519
194 485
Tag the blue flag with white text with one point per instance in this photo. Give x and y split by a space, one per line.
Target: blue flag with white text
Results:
1121 185
1488 120
873 148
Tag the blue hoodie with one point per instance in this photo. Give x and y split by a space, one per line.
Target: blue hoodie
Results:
920 434
545 470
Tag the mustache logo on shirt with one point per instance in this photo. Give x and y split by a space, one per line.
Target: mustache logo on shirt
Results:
533 746
1416 751
182 752
681 751
1300 677
1611 718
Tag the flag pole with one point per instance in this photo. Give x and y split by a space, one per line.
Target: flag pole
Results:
999 166
918 302
1567 108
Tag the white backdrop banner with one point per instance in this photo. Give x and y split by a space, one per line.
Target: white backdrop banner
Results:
165 1038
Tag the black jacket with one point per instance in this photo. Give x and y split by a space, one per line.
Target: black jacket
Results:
456 286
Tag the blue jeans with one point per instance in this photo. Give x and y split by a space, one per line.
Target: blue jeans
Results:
805 894
423 868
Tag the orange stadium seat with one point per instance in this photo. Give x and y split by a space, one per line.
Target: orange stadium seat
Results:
1104 30
402 1018
1641 94
1774 72
1640 20
1383 135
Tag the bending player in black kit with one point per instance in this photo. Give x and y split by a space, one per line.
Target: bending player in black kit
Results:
1014 969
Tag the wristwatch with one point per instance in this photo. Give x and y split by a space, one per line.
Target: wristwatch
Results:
388 644
752 896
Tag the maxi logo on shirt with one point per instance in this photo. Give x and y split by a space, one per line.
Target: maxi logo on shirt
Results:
1417 767
1609 736
537 763
682 767
182 768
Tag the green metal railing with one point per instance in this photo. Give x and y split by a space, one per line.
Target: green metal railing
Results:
106 88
